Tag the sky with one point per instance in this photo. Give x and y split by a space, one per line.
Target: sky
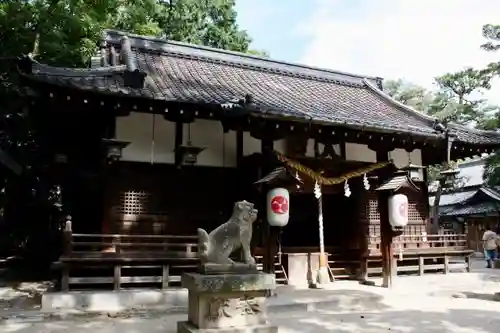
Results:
415 40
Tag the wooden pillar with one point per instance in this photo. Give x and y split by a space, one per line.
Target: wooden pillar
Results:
107 183
386 234
270 233
322 274
362 230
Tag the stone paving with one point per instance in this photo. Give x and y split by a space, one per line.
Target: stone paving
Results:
456 302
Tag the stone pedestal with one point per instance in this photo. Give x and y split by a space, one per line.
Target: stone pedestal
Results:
227 303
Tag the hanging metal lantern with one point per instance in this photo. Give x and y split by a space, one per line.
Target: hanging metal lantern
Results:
189 153
114 148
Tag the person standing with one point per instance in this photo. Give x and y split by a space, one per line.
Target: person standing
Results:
490 246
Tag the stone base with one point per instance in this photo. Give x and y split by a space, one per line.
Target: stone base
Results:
103 301
235 268
322 276
227 300
186 327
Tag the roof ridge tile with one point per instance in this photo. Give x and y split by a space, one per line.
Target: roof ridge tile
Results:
155 44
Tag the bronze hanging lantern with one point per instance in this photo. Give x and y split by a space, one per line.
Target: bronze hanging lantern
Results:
114 148
188 153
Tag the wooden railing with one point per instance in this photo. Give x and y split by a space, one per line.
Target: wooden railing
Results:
164 257
423 243
421 253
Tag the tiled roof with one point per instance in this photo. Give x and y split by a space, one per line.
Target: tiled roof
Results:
478 208
186 73
475 136
473 203
453 198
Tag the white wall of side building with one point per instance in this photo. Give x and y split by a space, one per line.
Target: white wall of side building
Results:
152 139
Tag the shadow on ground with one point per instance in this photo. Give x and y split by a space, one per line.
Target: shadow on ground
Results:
373 317
395 321
320 321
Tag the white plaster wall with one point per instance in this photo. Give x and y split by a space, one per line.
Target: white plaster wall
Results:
401 158
359 152
152 139
252 145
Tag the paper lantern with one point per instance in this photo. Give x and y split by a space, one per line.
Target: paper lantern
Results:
278 207
398 210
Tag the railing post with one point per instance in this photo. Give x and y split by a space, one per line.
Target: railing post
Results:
67 237
446 264
421 266
165 276
67 249
394 269
469 263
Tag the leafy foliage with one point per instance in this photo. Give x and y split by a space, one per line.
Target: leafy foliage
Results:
409 94
66 33
492 33
492 169
455 100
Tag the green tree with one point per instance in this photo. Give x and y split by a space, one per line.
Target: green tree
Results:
492 34
409 94
66 33
492 170
456 101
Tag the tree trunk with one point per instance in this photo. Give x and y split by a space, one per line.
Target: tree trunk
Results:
434 225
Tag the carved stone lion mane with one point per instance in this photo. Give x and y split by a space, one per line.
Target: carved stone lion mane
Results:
217 246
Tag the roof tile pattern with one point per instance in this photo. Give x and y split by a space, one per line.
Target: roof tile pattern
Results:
186 73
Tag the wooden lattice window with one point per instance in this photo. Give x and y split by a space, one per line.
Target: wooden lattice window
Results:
372 213
134 203
416 208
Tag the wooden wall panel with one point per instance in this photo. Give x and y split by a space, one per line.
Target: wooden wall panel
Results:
161 199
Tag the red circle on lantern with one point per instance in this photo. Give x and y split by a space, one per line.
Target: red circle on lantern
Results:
279 204
403 209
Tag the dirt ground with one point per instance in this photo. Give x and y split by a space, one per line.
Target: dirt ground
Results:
457 302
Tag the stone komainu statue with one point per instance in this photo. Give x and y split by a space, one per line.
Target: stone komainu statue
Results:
217 246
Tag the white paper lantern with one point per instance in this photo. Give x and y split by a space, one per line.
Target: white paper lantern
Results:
278 207
398 210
